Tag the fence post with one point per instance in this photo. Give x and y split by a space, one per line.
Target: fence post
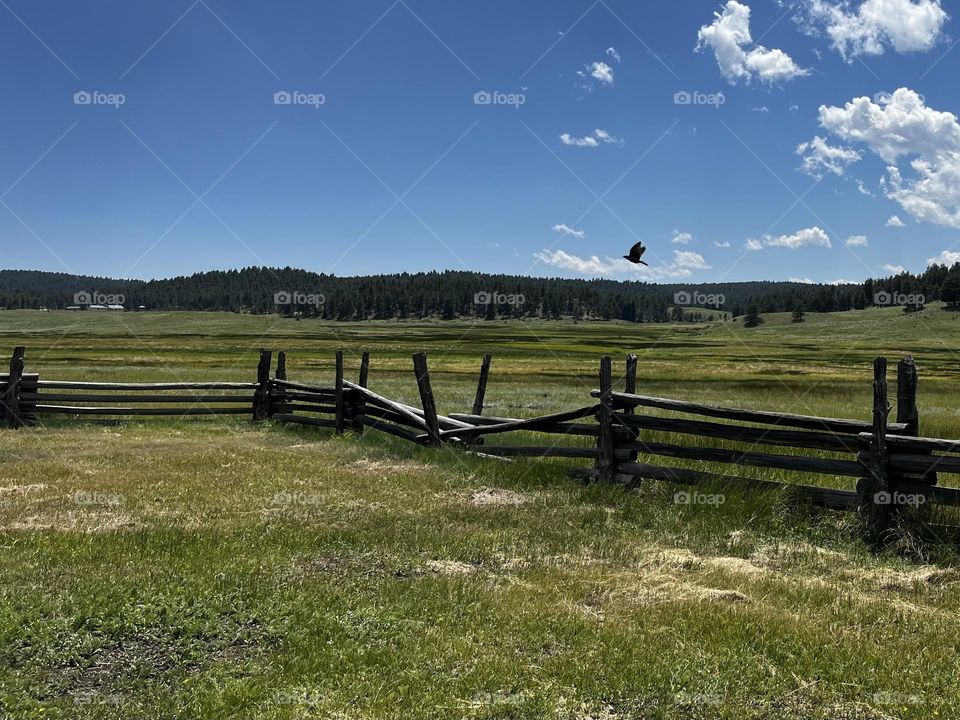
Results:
338 395
426 398
630 381
482 385
11 398
359 409
281 373
878 496
261 399
605 464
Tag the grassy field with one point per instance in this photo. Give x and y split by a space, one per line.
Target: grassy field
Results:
213 569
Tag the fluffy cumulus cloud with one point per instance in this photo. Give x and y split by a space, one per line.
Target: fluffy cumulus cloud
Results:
895 221
920 145
809 237
738 57
592 140
820 158
875 25
681 238
857 241
804 281
894 269
684 264
947 257
597 71
565 230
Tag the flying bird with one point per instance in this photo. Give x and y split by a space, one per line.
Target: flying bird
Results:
636 252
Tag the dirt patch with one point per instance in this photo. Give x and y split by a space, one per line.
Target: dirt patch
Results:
450 567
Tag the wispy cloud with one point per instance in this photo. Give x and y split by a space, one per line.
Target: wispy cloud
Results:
565 229
592 140
684 264
815 237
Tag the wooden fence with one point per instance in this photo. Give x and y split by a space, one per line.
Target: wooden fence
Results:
894 469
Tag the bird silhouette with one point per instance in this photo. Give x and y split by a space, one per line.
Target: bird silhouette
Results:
636 252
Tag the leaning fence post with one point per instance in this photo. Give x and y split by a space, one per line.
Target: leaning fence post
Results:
426 398
482 385
879 500
605 464
261 399
281 373
359 409
338 394
11 398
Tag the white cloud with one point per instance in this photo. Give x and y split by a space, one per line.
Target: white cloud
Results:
724 244
565 229
894 269
911 138
729 36
805 281
845 282
681 238
601 71
611 52
814 236
820 158
684 264
858 241
947 257
895 221
903 25
592 140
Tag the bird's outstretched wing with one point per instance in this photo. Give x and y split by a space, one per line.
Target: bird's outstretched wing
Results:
638 250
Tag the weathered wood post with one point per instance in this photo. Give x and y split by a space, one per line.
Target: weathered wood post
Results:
11 397
338 395
482 384
907 411
427 399
359 409
630 380
281 373
877 492
278 395
261 398
605 440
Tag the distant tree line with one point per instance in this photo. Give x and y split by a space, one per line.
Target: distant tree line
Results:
455 294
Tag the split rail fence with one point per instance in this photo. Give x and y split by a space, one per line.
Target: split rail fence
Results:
893 467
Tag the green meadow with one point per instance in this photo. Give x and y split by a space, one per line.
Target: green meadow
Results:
211 568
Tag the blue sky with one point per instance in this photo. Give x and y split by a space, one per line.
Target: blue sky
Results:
183 160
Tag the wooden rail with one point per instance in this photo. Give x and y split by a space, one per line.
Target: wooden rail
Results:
629 430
